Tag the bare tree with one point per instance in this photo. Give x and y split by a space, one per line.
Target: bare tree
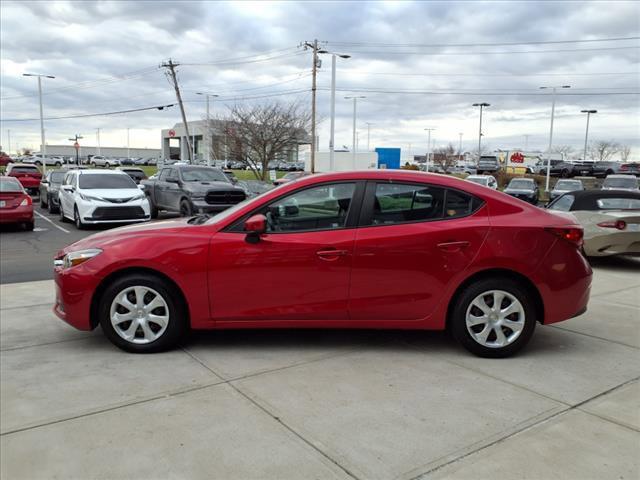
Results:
259 134
565 150
625 152
445 157
603 150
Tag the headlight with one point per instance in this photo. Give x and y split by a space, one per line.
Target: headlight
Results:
72 259
197 195
142 196
90 198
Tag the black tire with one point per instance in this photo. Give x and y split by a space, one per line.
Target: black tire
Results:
153 210
463 301
565 173
177 323
43 204
186 210
51 207
106 165
77 220
93 164
58 164
39 164
29 226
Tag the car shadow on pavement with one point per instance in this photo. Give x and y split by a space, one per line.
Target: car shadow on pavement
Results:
620 263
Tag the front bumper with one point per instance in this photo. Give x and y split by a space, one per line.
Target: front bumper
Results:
74 288
106 212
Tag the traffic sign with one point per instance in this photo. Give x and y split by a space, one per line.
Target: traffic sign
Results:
172 133
76 145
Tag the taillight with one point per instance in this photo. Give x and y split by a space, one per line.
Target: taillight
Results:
619 224
570 234
624 167
27 201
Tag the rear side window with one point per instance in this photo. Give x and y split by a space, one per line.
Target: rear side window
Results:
563 203
459 204
163 174
400 203
618 203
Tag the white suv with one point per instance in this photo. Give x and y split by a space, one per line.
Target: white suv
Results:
101 196
100 161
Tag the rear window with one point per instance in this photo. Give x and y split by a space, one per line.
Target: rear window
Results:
568 185
618 203
525 184
91 181
25 170
56 177
630 182
9 185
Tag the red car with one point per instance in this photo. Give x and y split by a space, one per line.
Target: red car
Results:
16 205
28 175
4 159
376 249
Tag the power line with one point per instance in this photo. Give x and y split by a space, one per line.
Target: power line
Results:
475 93
501 44
103 114
551 74
506 52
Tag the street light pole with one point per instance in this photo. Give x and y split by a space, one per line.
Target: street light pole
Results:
209 137
481 105
526 142
355 100
43 148
460 144
128 149
98 140
586 133
429 146
553 110
368 135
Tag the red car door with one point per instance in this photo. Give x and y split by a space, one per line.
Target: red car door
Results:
414 238
299 269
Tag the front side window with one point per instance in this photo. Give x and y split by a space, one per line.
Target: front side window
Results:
399 203
324 207
563 203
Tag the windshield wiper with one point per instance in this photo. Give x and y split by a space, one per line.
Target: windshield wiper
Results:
199 219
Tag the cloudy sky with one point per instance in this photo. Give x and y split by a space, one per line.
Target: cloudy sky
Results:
419 64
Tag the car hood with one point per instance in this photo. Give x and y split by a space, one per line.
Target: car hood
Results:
519 191
117 235
209 185
112 192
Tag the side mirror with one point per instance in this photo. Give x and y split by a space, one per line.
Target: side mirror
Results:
67 188
255 226
141 187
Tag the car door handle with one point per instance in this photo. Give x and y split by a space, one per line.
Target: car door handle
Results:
331 254
453 246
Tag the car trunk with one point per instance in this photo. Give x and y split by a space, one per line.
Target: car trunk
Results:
28 179
9 200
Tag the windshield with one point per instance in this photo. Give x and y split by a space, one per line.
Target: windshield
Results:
93 181
9 185
56 177
480 180
630 182
568 185
203 174
524 184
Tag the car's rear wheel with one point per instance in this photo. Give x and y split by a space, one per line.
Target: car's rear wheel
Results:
29 226
140 313
43 204
494 317
52 208
58 164
185 208
77 219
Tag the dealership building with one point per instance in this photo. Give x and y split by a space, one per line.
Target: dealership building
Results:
85 151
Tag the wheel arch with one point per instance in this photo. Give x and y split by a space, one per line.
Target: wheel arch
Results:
504 273
99 291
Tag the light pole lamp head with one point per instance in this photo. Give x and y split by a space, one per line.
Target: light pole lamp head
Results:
483 104
588 111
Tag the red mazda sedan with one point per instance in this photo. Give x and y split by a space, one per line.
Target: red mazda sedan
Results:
375 249
16 205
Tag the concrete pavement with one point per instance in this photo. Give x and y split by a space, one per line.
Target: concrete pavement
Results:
323 404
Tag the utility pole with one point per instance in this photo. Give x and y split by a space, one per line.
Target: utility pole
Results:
128 152
553 110
526 142
43 148
481 105
171 74
314 73
460 144
355 146
76 145
586 133
98 140
9 142
368 134
428 145
208 136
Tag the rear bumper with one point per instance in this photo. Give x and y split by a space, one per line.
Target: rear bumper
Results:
619 243
17 215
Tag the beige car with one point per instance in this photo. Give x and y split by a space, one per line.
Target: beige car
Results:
610 218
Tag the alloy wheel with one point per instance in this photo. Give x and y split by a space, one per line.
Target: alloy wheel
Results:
495 319
139 314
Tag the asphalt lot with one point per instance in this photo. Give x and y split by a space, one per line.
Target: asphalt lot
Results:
323 404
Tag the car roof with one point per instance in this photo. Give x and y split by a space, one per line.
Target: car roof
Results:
97 171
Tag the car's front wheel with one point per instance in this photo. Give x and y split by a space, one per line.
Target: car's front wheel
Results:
139 313
185 208
494 317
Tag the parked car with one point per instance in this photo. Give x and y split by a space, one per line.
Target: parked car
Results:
630 168
4 159
92 196
48 161
290 177
558 168
563 186
136 173
129 161
610 218
49 188
486 180
16 206
191 189
254 187
603 169
100 161
454 248
620 182
488 164
523 188
28 175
